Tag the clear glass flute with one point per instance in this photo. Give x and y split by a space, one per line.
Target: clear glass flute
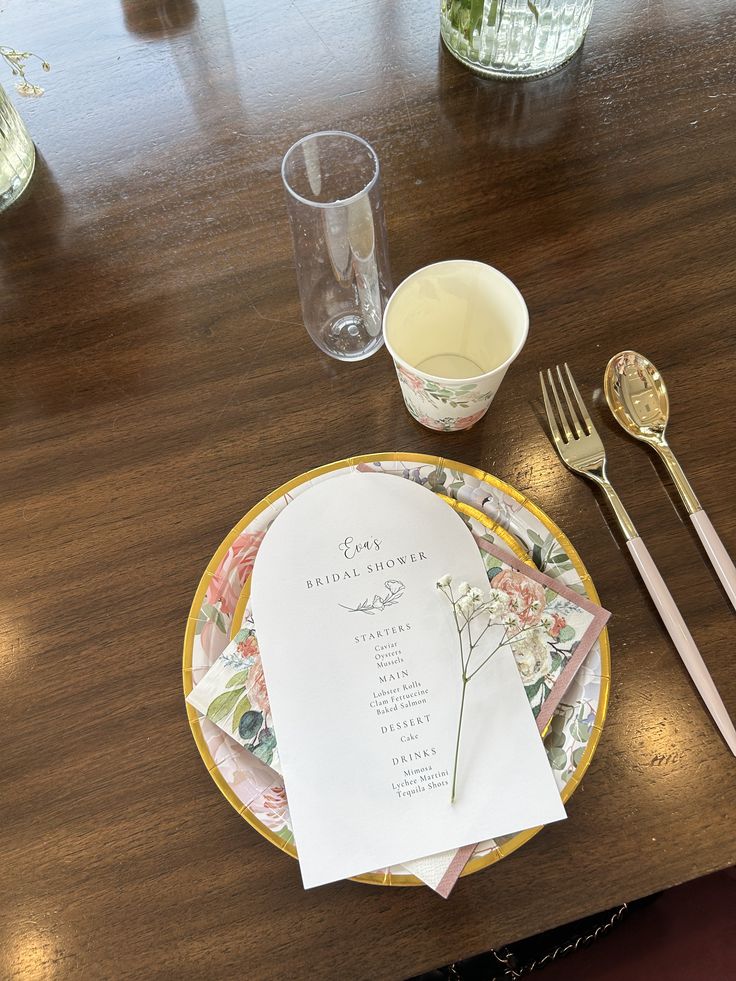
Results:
337 221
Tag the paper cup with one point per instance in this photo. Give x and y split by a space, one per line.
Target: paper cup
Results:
453 329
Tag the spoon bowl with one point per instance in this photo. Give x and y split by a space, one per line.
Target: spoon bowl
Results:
637 396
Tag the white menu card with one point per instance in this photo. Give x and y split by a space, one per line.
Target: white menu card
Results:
361 658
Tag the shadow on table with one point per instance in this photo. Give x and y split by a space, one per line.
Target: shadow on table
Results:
159 18
505 113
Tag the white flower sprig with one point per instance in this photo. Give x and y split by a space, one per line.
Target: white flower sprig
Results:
476 613
16 61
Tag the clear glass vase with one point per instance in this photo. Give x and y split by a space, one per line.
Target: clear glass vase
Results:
17 153
514 38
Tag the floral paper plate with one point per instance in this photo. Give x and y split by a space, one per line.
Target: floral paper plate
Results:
254 789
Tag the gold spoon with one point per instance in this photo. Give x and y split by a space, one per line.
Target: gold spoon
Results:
637 396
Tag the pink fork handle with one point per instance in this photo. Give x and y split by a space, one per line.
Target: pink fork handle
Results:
719 557
682 639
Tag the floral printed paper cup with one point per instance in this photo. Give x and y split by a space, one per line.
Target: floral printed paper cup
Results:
453 329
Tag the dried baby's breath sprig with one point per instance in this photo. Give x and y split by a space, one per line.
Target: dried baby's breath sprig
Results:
17 61
475 613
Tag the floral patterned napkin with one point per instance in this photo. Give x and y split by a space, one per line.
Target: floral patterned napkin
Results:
557 627
233 695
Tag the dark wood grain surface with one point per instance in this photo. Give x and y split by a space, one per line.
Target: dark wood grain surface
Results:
157 382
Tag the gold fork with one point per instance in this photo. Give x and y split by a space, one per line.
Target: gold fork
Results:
581 449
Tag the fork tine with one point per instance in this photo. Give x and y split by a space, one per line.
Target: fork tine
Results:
578 429
555 429
581 405
563 419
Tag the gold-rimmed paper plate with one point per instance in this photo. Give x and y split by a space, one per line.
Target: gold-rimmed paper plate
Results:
219 604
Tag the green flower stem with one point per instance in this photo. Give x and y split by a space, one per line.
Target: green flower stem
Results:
488 658
465 663
457 744
466 678
474 644
451 598
504 640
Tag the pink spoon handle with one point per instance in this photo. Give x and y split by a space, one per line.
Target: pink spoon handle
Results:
682 639
719 557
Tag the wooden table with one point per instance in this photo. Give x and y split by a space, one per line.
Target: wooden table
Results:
157 381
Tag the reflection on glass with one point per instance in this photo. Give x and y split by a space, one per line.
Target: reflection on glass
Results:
159 18
523 116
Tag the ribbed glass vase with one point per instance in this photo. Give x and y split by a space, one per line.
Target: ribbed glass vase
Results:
514 38
17 153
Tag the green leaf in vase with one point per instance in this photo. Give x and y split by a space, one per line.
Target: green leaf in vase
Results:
533 8
220 707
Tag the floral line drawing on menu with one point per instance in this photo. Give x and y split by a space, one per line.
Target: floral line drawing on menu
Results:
394 592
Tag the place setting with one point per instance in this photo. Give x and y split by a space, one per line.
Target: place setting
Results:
396 666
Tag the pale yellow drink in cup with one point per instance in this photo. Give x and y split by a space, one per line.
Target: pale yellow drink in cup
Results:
453 329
